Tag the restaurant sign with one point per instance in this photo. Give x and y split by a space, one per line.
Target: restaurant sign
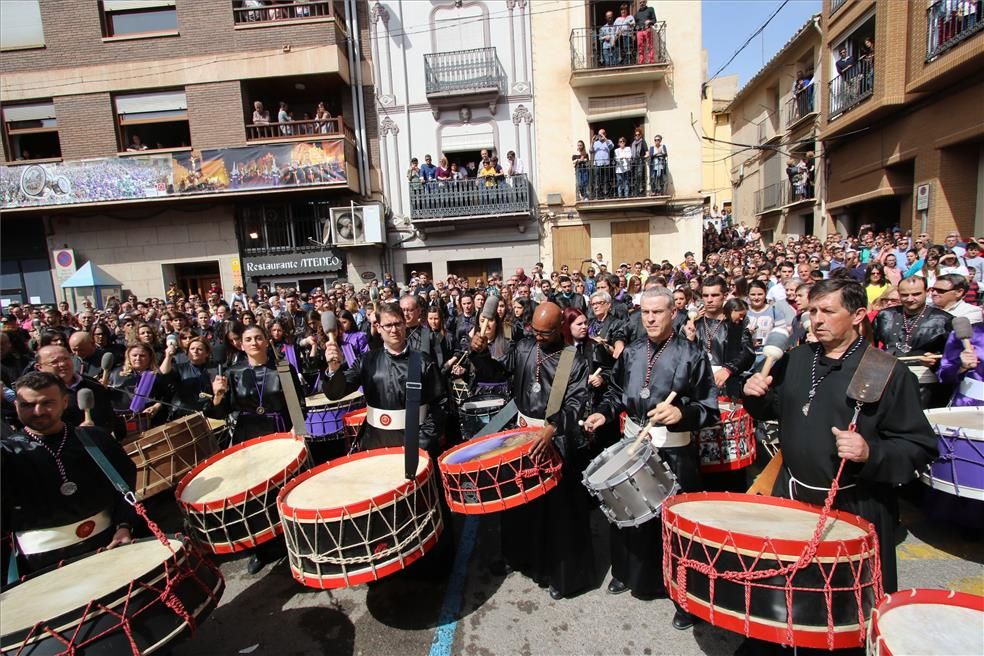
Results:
292 264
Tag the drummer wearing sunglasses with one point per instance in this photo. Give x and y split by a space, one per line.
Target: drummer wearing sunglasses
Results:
56 502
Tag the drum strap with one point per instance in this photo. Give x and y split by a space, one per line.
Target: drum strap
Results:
104 464
411 437
286 376
559 386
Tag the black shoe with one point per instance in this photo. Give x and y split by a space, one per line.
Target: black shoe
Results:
254 565
500 568
617 587
683 620
555 593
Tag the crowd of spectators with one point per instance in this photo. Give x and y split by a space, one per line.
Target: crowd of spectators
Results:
629 39
487 176
320 123
607 170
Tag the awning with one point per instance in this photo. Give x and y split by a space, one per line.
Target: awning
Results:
130 5
156 101
33 112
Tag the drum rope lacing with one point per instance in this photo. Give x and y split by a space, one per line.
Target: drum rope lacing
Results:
786 571
470 488
423 522
948 437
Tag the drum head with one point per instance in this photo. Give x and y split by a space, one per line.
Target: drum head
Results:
932 629
356 480
483 404
319 400
968 422
488 448
778 522
238 469
71 587
616 460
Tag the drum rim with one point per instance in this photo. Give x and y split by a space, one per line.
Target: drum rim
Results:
926 596
218 504
861 545
622 476
336 404
156 430
942 429
288 512
513 453
355 417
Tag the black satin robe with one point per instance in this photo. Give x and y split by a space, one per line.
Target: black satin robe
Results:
637 552
102 409
731 348
187 382
30 497
611 330
548 539
240 402
422 339
122 387
928 336
383 377
899 437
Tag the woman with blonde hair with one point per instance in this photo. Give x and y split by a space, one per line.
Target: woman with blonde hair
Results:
138 359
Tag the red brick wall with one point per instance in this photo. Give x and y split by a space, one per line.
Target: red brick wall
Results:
86 125
216 115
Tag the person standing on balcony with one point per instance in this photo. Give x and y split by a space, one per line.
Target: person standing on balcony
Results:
581 161
608 36
323 118
487 179
645 23
283 117
623 163
602 148
261 115
639 153
514 166
428 173
625 26
657 166
413 177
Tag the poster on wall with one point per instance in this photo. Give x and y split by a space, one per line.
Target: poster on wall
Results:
225 170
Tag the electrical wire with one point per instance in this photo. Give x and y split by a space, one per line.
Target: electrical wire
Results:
749 40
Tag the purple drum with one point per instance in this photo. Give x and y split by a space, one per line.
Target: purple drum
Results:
960 468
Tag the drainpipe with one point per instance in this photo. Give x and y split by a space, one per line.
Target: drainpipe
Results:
357 33
355 67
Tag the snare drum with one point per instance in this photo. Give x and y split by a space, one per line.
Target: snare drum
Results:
357 519
925 621
729 445
166 453
229 501
631 488
478 411
960 468
111 602
495 473
324 422
727 559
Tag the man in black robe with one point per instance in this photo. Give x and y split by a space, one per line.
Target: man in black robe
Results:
728 344
55 501
57 360
566 297
606 329
649 370
419 335
88 355
807 393
916 328
383 377
459 326
548 539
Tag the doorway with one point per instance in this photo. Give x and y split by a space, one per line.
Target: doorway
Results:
196 277
598 9
620 127
473 270
571 246
630 242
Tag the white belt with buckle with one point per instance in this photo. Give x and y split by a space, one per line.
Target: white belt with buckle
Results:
660 436
793 479
972 388
43 540
391 419
525 421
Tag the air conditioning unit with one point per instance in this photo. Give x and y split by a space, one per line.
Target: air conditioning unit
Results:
357 225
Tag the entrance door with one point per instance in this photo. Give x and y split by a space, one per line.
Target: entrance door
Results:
197 277
630 242
571 246
475 269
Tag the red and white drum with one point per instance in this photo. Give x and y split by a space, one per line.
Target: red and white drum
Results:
730 444
932 622
734 561
134 599
357 518
229 501
352 424
495 472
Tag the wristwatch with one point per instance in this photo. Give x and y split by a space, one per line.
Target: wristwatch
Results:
124 525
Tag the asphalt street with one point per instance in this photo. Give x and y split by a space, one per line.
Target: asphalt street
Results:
413 613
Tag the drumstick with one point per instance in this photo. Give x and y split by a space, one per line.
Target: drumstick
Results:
86 402
106 364
964 332
914 358
775 347
649 426
597 372
765 481
329 322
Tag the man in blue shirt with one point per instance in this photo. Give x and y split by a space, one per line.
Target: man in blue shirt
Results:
428 172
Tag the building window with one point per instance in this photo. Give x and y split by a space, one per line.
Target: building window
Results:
132 17
282 227
31 131
20 25
257 11
153 120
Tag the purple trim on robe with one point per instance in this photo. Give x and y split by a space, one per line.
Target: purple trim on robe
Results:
290 353
949 371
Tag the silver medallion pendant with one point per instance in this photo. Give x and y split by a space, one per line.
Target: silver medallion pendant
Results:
535 388
68 488
644 393
902 348
260 410
806 409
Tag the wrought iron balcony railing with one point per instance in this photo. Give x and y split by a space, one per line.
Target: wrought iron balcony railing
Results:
835 5
610 46
783 193
799 106
623 178
851 87
952 22
250 11
332 127
488 197
464 72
